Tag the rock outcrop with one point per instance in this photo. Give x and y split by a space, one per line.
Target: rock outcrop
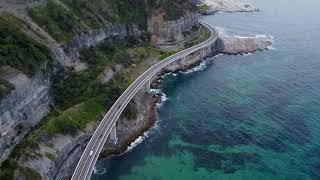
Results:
29 102
95 37
22 108
241 45
215 6
170 32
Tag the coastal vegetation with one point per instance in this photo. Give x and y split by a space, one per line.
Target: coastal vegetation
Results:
203 34
67 19
202 9
59 22
5 88
80 98
17 49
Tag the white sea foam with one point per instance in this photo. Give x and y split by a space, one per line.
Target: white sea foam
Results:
155 91
99 171
271 48
203 65
256 36
247 54
138 141
163 99
169 73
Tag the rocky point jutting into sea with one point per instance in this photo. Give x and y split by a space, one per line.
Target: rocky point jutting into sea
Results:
24 107
214 6
226 44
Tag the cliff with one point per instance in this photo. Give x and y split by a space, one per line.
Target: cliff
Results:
29 102
22 108
170 32
86 47
94 57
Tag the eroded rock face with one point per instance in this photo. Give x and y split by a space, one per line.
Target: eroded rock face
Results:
95 37
228 6
241 45
22 108
163 32
108 73
29 102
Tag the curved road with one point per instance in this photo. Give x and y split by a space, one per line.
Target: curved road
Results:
90 155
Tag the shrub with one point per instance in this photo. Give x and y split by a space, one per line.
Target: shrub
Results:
5 88
59 22
17 49
130 112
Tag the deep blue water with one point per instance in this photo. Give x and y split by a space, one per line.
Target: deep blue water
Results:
243 117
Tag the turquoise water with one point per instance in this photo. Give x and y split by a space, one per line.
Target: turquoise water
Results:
243 117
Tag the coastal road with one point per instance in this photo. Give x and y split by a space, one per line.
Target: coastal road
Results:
90 155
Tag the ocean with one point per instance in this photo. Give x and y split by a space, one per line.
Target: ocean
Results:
254 116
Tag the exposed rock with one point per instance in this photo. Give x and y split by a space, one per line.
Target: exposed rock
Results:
215 6
57 160
240 45
97 36
66 60
129 130
108 73
30 101
169 32
190 60
22 108
68 157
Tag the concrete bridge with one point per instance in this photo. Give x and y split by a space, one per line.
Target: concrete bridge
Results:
107 127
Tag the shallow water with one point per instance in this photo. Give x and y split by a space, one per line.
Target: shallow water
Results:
242 117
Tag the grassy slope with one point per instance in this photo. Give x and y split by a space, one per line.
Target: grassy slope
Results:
17 49
60 23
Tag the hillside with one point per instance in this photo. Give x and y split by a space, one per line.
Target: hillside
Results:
64 62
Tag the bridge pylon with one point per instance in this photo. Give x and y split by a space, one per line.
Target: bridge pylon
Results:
148 86
183 59
113 134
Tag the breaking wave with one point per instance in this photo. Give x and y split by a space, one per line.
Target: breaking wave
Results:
99 171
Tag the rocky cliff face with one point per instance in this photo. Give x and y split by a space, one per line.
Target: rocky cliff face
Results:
229 44
96 36
25 106
22 108
169 32
29 102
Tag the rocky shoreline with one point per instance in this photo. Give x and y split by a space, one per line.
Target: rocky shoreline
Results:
128 131
59 158
215 6
245 45
226 44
